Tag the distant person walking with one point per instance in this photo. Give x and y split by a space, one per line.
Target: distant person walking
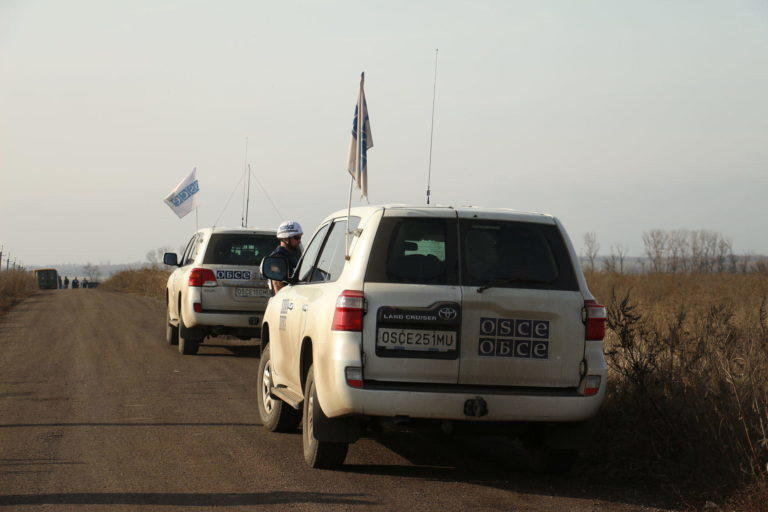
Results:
66 282
60 283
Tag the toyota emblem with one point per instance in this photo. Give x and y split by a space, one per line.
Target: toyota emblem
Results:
447 313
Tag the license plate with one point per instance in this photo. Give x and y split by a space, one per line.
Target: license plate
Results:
251 292
416 340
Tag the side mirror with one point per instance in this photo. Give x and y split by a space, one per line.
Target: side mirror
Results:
170 258
275 268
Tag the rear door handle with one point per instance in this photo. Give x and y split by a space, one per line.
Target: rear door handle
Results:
304 307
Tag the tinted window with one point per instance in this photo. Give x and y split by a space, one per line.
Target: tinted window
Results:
310 255
414 250
331 261
238 249
526 255
185 257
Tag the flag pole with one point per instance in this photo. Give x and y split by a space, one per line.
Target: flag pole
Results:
359 163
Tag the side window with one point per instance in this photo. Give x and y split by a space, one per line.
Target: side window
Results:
185 257
310 254
331 260
196 248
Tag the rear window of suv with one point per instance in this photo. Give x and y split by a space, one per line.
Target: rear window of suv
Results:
414 250
492 253
237 249
515 255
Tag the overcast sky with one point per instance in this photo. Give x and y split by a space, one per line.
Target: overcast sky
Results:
615 116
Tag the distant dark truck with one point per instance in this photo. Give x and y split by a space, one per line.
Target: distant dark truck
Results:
47 278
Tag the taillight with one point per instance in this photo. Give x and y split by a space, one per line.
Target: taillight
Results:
354 376
595 320
592 385
349 311
202 277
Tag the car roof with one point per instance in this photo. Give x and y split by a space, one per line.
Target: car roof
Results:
234 231
463 211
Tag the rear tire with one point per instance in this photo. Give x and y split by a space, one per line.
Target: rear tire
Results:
188 345
318 454
276 415
171 331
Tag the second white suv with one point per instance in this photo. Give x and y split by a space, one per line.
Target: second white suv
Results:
469 318
217 288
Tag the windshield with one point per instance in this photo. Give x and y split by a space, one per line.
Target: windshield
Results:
238 249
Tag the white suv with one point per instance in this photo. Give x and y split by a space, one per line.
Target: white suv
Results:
217 288
473 318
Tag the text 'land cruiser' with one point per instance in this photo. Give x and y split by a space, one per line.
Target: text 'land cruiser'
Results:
467 317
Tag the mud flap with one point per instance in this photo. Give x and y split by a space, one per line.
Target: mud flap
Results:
335 430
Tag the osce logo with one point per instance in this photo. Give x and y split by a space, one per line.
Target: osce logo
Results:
233 274
514 337
190 190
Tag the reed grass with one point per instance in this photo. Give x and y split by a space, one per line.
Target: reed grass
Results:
14 286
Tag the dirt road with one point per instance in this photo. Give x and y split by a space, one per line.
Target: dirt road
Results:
98 413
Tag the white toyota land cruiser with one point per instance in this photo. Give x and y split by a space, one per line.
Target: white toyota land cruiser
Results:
218 288
475 319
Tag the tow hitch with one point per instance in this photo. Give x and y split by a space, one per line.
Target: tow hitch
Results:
475 407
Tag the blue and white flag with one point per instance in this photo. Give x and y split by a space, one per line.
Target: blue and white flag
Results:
358 150
184 198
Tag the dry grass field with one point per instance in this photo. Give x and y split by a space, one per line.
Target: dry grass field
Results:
145 281
687 404
15 285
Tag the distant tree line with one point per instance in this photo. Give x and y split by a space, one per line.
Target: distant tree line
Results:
676 251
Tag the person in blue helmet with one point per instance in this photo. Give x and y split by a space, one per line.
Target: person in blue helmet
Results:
289 234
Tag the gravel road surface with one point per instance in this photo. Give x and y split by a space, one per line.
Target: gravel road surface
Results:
98 413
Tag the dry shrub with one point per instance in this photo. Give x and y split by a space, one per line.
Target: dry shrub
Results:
687 401
149 281
15 285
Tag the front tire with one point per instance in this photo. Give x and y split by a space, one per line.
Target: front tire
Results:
188 345
276 415
318 454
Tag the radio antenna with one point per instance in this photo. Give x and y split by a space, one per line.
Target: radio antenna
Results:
431 133
243 203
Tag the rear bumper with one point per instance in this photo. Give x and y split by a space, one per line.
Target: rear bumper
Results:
226 318
451 406
337 398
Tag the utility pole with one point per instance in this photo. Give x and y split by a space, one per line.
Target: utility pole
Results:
7 262
1 257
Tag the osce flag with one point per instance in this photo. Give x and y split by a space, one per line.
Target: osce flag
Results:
184 198
357 164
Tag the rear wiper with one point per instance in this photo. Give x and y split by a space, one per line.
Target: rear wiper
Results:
511 280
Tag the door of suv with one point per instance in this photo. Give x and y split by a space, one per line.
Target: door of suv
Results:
411 331
521 305
285 351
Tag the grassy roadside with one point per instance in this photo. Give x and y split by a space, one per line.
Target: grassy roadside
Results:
14 286
687 403
149 281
